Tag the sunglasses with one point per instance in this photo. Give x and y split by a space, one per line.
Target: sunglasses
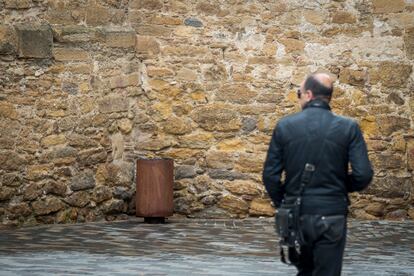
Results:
299 93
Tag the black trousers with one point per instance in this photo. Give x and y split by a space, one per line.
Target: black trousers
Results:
325 238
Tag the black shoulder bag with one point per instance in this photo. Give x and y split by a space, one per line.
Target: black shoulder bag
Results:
288 214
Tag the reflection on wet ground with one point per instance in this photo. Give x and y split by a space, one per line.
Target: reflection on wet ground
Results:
191 247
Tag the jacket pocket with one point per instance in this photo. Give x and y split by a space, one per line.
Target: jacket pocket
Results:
334 227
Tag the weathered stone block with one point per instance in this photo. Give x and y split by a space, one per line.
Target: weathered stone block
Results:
8 40
209 200
153 30
250 162
184 171
219 160
97 15
353 77
106 174
261 207
11 179
32 191
208 8
83 181
18 4
92 156
8 110
56 188
390 187
123 193
243 187
180 109
261 60
237 93
385 6
47 206
249 124
81 141
156 143
342 17
410 154
70 88
120 39
226 174
166 20
110 104
411 213
217 117
6 193
53 140
39 171
200 140
70 54
67 215
389 124
101 193
10 160
233 204
147 45
193 22
361 214
114 206
161 111
78 199
177 126
397 215
65 13
409 42
391 74
293 45
187 204
401 20
395 98
185 50
232 145
122 81
18 210
314 17
388 161
35 41
376 209
125 125
75 34
159 72
146 4
60 155
186 74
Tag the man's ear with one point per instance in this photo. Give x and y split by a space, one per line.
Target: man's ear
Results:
309 95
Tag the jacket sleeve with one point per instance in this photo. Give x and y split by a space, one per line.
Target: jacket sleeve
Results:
362 171
273 168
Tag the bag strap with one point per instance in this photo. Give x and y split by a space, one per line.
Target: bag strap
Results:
314 156
307 173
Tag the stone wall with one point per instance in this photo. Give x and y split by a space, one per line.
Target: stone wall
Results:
89 86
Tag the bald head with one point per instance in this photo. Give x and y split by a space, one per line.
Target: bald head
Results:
320 84
323 79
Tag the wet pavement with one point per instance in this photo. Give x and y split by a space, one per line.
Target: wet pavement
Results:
191 247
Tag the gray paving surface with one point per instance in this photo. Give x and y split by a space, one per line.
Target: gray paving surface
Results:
227 247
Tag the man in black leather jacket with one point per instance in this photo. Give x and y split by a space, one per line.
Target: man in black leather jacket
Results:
325 198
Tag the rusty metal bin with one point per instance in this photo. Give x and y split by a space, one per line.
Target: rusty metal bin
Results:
154 189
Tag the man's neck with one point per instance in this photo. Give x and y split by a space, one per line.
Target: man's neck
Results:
318 102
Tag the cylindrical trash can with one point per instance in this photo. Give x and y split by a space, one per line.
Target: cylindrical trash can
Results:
154 190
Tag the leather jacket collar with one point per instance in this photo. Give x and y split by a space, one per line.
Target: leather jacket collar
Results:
318 103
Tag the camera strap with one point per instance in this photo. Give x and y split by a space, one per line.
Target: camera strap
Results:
314 159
